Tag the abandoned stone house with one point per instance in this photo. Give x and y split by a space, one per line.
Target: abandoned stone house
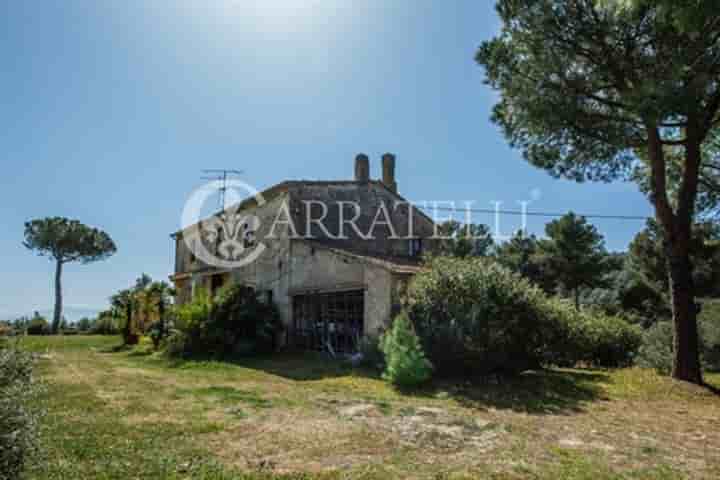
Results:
335 254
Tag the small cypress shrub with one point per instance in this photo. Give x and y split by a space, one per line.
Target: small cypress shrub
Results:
405 361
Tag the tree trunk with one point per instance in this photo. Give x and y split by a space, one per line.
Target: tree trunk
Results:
57 314
129 334
686 364
161 314
677 227
577 298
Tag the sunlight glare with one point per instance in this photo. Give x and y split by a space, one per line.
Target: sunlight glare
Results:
274 14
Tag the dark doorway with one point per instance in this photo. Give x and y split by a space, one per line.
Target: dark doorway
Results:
331 322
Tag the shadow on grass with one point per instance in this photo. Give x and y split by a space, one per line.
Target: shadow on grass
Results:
129 350
536 392
116 348
298 366
551 391
302 366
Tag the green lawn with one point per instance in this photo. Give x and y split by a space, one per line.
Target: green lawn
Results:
133 414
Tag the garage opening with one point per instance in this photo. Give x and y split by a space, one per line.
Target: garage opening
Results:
330 322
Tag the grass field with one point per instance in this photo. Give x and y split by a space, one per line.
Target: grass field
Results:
133 414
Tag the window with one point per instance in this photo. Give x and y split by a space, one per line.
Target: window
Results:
415 247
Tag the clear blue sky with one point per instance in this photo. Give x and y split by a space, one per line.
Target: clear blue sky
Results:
110 109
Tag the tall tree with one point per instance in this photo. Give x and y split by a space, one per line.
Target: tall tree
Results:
521 254
647 257
465 240
575 254
66 241
161 295
588 90
143 303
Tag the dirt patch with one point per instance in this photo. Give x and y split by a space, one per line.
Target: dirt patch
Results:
360 410
352 434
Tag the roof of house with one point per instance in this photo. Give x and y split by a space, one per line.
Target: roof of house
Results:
283 187
396 264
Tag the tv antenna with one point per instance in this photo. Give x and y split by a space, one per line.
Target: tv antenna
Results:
220 174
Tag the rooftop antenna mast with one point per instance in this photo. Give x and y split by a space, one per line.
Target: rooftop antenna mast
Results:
220 174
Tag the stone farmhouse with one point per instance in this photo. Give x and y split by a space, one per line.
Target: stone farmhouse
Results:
334 255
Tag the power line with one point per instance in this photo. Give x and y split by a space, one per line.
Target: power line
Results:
530 214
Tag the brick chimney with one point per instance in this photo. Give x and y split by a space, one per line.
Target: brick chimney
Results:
388 171
362 168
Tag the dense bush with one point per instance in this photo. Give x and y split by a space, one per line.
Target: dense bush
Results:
38 326
629 295
157 332
475 317
18 421
657 348
235 322
176 343
84 324
588 337
709 320
5 329
405 362
104 325
612 341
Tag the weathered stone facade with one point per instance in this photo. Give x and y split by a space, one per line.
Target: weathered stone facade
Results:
303 257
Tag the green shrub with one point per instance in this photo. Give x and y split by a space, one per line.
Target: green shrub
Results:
5 330
405 362
588 337
157 333
709 325
104 325
244 324
657 348
234 323
38 326
630 295
612 341
475 317
191 319
176 344
84 324
18 421
193 314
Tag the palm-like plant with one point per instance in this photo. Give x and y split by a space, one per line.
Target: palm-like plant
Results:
123 302
160 295
143 303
